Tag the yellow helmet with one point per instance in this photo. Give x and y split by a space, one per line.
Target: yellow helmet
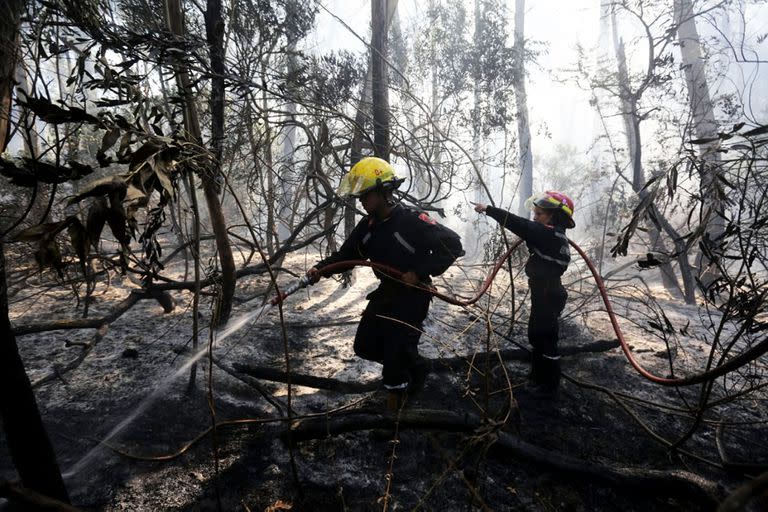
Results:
367 174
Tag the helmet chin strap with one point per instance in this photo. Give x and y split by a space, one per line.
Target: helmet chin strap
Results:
391 201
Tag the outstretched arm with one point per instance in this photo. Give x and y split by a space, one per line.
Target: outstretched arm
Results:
524 228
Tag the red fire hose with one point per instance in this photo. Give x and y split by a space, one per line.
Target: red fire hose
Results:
736 362
397 274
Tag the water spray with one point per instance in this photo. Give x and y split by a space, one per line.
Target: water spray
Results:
232 326
395 274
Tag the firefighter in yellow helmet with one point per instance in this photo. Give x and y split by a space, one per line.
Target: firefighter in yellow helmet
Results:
408 240
370 173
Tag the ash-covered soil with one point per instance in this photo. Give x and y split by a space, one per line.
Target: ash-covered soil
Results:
431 469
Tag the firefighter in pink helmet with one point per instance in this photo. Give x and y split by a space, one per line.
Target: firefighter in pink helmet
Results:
549 258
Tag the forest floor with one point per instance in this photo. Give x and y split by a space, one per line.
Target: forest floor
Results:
434 468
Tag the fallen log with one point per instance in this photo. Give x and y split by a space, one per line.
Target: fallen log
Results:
58 371
438 366
32 500
310 381
165 300
674 482
755 491
521 354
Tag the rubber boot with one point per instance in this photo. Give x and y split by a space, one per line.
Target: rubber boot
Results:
419 372
537 363
549 379
395 401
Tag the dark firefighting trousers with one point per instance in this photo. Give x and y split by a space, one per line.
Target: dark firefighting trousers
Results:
389 334
547 302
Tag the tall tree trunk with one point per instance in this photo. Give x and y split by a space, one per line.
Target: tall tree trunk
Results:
525 190
356 146
436 138
364 104
704 126
477 97
355 154
31 145
287 173
26 116
192 125
71 130
631 118
250 119
365 109
269 168
379 81
10 19
472 235
28 442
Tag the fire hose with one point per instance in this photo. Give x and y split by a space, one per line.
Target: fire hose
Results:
745 357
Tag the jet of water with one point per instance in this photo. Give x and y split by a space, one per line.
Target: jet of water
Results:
232 326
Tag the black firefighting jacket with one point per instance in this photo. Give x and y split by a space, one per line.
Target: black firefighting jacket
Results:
548 245
407 240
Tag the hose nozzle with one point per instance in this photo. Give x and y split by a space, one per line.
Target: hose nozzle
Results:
292 288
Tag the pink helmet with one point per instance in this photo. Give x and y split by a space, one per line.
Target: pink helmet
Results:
551 200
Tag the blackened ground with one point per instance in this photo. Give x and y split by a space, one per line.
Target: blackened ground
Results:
432 470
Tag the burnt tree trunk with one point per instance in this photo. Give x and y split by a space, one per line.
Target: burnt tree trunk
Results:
521 101
268 166
175 23
705 126
28 442
379 82
629 113
9 40
285 210
362 116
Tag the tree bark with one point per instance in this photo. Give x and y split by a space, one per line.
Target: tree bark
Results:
704 127
175 23
672 482
473 232
631 118
441 365
525 190
287 173
10 19
31 500
755 491
379 81
268 166
28 442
